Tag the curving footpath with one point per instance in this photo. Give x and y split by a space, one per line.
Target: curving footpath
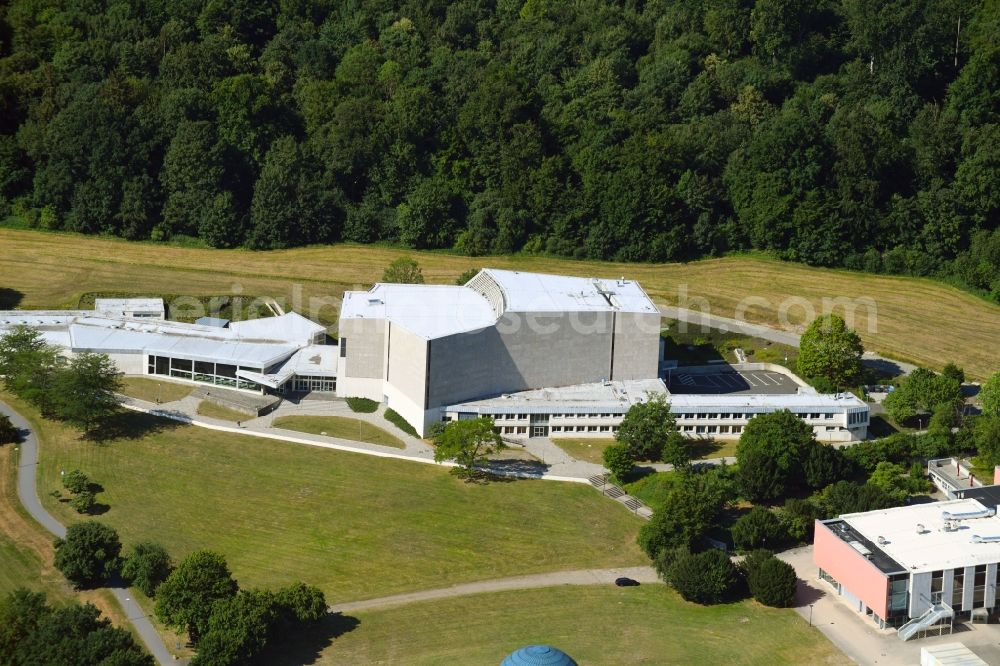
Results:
27 492
553 579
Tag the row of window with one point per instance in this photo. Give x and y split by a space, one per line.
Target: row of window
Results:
525 417
853 418
856 417
593 428
218 374
712 430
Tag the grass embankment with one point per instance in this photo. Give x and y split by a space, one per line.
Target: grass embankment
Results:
153 390
355 525
339 426
214 411
692 346
594 625
913 319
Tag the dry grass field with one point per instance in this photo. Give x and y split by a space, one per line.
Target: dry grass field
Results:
906 318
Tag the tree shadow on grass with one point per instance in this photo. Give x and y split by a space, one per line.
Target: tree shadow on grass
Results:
306 645
129 425
514 470
9 298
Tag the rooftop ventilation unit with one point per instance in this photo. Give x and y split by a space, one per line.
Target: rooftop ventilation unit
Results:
966 515
920 528
882 541
987 539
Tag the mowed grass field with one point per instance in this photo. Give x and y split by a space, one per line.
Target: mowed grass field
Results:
153 390
911 319
357 526
595 625
339 426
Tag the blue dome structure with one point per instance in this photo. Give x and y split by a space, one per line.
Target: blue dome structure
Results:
538 655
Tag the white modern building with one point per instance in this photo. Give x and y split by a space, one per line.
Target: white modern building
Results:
422 348
276 353
914 567
596 410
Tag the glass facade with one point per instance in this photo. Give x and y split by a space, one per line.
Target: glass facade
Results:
307 383
217 374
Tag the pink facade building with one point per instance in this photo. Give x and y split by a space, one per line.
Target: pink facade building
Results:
913 566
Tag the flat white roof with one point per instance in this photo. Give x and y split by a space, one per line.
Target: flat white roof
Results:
145 304
802 401
430 311
935 548
540 292
613 395
598 397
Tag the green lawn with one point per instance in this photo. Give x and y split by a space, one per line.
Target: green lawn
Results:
591 450
355 525
214 411
594 625
340 426
588 450
153 390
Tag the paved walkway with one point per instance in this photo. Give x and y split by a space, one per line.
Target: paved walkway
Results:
27 492
578 577
415 450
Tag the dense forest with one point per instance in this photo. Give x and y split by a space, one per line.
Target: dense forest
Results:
834 132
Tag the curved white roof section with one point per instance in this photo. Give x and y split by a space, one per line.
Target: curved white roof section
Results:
541 292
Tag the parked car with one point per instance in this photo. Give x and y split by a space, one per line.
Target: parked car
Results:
626 582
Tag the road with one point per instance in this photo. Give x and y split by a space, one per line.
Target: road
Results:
725 324
27 492
645 575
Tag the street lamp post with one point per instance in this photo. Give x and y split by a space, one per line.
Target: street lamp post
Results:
810 615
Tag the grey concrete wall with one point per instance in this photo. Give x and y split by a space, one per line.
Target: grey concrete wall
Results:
522 351
365 347
637 345
407 364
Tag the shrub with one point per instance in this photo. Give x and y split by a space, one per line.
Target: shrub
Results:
394 417
772 581
618 461
146 567
76 481
8 433
797 518
759 527
362 405
705 578
89 553
83 502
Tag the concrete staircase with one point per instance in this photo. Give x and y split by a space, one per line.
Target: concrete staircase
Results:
608 489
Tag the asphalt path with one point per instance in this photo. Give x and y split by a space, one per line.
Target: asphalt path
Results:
27 492
643 575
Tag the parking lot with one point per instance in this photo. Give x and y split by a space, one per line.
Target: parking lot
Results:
729 381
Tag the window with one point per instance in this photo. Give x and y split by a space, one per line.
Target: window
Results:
713 429
591 428
828 415
713 416
605 428
737 429
522 430
556 428
724 429
343 348
956 592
